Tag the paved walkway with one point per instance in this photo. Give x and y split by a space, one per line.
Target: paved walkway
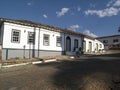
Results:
84 73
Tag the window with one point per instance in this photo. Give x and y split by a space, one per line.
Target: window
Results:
58 41
90 47
76 43
46 39
31 37
115 40
100 45
105 41
15 36
96 47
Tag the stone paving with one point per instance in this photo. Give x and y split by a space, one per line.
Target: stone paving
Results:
84 73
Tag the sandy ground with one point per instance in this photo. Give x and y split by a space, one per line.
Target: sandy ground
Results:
85 73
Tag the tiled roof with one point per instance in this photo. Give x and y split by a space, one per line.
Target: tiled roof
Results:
39 25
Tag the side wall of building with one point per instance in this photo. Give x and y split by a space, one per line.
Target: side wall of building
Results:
38 49
23 49
92 45
110 40
73 48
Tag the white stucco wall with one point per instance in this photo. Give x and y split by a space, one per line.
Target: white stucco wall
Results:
52 40
110 39
52 46
73 37
87 40
24 37
94 42
98 42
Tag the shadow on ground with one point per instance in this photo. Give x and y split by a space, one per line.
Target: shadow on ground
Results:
94 73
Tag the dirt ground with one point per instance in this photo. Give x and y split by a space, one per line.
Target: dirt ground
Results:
84 73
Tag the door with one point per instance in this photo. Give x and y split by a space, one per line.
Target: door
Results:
68 43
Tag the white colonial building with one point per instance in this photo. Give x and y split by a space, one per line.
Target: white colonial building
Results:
110 42
26 39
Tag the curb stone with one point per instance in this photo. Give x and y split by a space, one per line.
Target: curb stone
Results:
37 62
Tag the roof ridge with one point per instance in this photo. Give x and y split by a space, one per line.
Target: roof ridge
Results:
36 24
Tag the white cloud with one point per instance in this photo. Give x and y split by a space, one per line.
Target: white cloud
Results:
110 3
113 3
105 12
117 3
74 27
78 9
29 4
88 32
45 16
62 12
111 10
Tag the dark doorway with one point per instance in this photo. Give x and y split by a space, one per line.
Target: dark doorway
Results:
68 43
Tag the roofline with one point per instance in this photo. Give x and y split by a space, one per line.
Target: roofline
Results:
107 36
39 25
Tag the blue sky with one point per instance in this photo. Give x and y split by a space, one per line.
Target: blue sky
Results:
92 17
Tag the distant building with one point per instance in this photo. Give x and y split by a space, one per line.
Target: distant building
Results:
26 39
110 42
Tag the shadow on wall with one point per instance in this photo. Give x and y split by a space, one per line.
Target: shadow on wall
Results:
95 73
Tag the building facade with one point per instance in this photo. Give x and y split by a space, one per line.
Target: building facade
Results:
111 42
26 39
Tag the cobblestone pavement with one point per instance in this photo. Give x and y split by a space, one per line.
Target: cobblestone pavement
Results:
84 73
